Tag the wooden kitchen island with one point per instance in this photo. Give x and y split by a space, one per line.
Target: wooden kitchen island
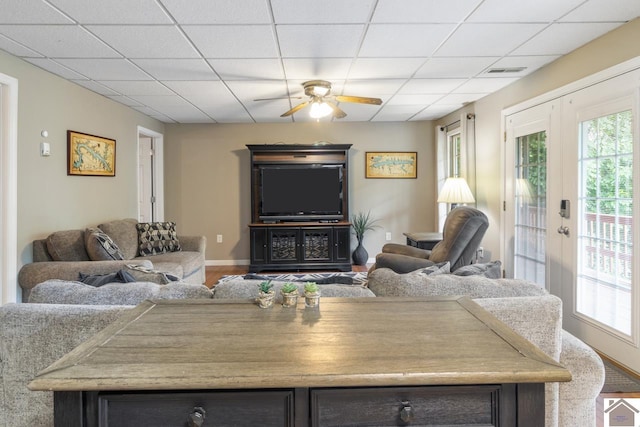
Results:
353 361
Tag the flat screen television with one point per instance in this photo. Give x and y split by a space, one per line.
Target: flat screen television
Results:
301 193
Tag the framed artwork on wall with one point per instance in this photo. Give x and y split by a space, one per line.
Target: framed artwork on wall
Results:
90 155
391 164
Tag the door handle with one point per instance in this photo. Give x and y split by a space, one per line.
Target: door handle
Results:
563 230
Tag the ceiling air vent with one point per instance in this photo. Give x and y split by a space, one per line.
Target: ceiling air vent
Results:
509 70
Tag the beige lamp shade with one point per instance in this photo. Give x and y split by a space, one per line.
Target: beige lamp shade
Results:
454 191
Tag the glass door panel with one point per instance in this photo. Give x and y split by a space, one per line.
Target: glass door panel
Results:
529 257
605 226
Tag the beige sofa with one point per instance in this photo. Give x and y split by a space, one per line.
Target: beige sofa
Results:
65 254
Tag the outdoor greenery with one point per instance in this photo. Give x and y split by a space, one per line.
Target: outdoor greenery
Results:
607 163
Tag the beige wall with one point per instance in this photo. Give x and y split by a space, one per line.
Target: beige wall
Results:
207 186
48 199
609 50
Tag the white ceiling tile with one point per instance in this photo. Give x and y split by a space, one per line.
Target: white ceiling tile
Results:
604 11
248 69
228 113
321 12
434 112
146 41
95 87
460 98
219 12
234 41
184 114
532 63
522 10
355 113
113 11
373 88
397 113
30 12
125 100
403 40
17 49
132 88
177 69
105 69
484 85
199 89
457 67
560 39
55 68
313 69
413 99
158 102
384 68
432 11
431 86
247 91
487 39
319 41
59 41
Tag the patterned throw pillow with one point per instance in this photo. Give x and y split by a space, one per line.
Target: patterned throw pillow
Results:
439 268
100 246
157 238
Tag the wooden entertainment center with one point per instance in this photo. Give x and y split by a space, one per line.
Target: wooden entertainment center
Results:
285 238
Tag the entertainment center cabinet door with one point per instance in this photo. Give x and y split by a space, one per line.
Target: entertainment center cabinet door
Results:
342 244
259 246
317 244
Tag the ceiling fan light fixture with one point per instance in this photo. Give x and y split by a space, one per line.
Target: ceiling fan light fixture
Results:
320 90
320 109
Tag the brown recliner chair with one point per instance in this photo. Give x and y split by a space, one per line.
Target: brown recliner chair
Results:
463 231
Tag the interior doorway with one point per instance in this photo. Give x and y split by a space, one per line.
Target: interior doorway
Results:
9 189
150 176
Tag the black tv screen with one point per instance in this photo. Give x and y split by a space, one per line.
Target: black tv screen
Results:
304 192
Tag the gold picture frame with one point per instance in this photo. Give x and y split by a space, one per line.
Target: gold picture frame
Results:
90 155
391 164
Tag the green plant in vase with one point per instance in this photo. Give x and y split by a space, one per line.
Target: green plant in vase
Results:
290 295
266 294
361 223
311 294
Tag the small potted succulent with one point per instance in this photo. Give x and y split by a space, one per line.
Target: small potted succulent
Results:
266 294
290 295
311 295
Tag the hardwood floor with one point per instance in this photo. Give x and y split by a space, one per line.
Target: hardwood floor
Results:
214 273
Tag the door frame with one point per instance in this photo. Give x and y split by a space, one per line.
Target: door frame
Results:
157 144
601 76
9 187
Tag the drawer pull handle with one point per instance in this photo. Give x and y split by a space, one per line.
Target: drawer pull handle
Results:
196 418
406 413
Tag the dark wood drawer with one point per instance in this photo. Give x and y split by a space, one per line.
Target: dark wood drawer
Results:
407 406
171 409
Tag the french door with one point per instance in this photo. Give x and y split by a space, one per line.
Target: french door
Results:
571 193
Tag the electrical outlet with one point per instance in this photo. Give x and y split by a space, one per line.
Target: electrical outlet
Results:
480 253
388 236
219 238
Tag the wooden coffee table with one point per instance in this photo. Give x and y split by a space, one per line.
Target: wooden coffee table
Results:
364 361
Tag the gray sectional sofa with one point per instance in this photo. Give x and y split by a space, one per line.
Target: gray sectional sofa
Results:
65 254
34 335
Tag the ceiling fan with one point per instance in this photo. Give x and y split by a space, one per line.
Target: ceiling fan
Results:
323 103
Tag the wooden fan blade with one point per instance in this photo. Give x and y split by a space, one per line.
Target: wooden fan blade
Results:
359 99
337 112
296 108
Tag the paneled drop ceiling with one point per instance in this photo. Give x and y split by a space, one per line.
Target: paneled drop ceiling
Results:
206 61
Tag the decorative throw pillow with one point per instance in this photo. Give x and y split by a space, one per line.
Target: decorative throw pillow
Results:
435 269
67 245
492 270
157 238
144 274
100 246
